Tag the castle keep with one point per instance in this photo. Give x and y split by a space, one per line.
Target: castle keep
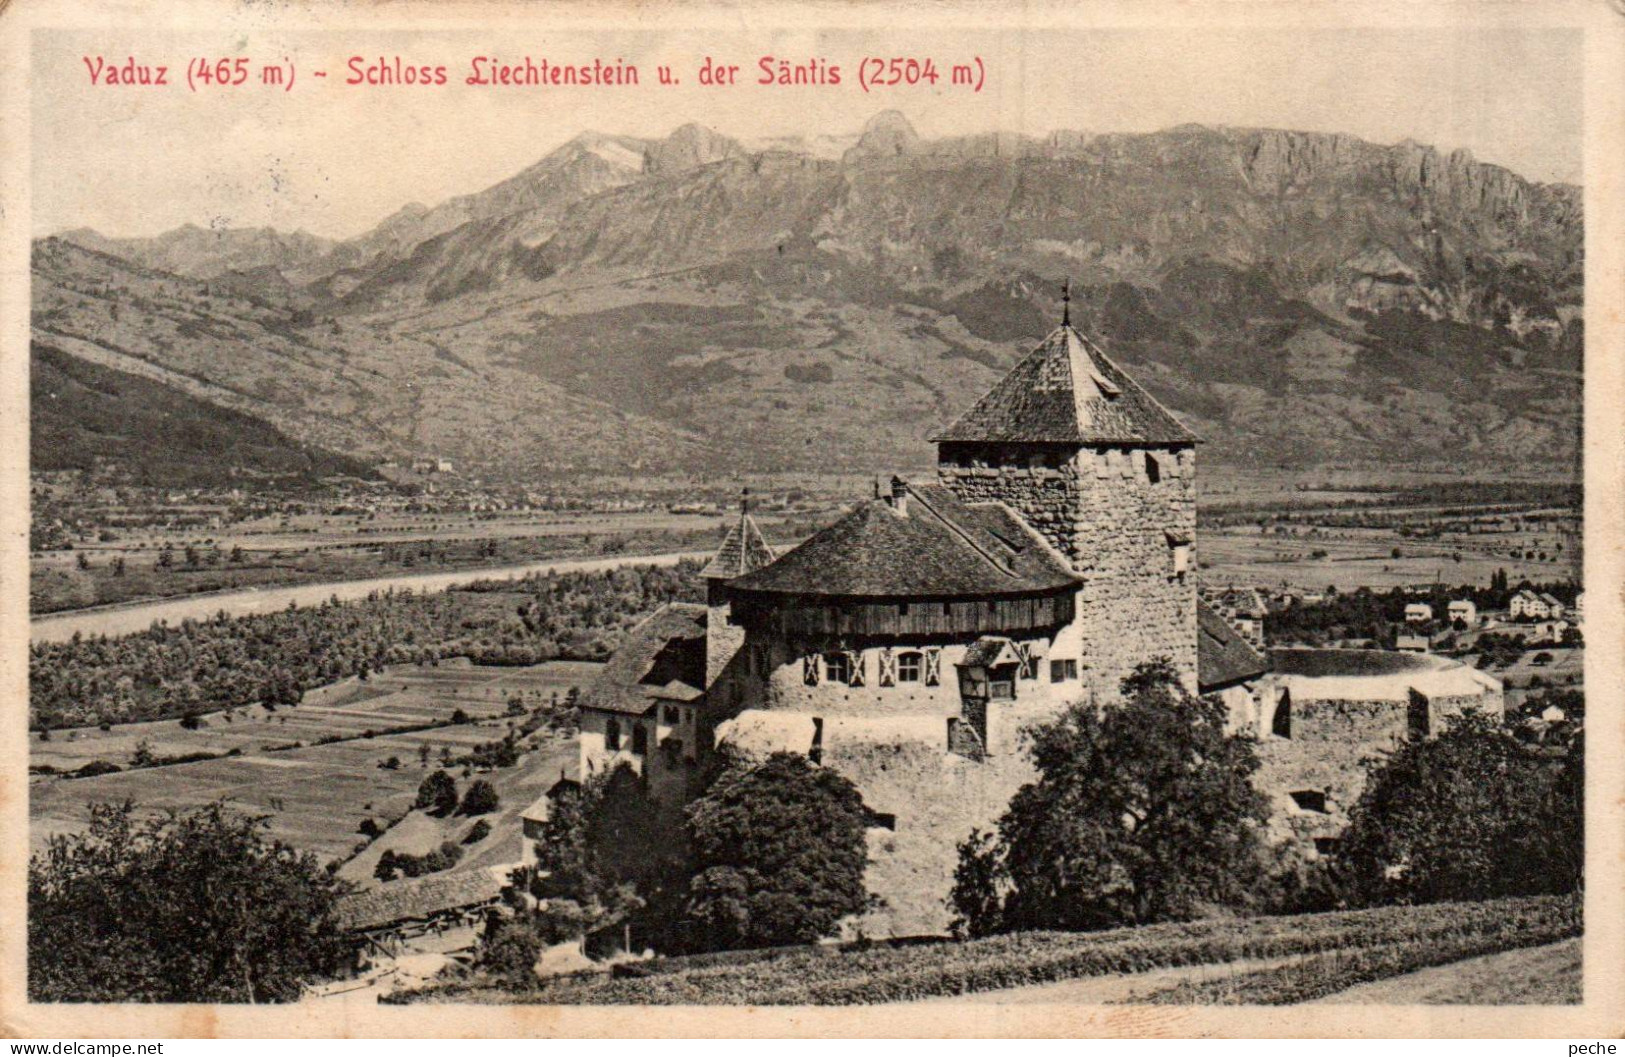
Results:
908 644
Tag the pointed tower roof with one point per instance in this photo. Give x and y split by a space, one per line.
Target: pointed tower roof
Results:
744 549
1067 391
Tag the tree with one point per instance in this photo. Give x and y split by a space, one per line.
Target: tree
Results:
779 853
437 794
1470 814
143 755
481 799
459 717
1143 811
477 832
196 907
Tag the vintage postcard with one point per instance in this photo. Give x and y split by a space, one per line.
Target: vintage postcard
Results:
883 519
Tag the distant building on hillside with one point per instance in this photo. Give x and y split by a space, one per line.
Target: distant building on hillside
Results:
1527 605
1418 613
1464 610
1413 644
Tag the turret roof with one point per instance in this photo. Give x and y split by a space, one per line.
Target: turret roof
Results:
925 543
1067 391
744 549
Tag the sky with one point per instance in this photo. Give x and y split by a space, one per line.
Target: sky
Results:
334 159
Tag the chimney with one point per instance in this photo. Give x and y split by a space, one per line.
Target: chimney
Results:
899 496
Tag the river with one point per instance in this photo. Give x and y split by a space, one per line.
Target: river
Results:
138 616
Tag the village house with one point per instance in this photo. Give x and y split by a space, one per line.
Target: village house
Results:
1464 611
1418 613
1528 605
908 645
439 913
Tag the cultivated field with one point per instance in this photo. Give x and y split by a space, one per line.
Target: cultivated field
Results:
1354 558
314 795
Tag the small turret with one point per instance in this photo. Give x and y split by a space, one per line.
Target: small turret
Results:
744 550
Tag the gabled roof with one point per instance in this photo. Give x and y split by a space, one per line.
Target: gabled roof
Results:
990 650
663 658
1068 392
744 549
930 546
1223 657
413 900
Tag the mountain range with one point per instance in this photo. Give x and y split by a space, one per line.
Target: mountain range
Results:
699 304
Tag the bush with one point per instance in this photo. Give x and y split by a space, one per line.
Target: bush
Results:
1142 812
477 832
1470 814
372 829
95 767
198 907
191 721
779 854
437 794
481 799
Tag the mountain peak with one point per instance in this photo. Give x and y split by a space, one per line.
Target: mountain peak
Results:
689 147
887 135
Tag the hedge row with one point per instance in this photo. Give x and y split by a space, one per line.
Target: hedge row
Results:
886 973
1326 974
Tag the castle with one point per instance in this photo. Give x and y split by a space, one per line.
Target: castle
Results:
908 644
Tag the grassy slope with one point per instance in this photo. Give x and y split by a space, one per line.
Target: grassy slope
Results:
833 976
84 413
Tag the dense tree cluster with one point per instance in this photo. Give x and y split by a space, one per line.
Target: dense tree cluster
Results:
772 853
1142 812
199 907
1475 813
226 662
442 858
778 855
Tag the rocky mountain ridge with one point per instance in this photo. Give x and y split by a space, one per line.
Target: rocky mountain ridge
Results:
1297 296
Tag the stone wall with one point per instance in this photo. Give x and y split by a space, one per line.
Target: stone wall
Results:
1333 740
672 763
1118 515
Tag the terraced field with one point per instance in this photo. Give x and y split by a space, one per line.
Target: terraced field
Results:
315 795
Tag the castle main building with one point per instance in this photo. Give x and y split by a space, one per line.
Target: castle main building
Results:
908 644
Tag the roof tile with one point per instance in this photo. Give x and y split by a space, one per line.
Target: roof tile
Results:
1068 392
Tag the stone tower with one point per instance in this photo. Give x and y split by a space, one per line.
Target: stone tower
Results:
743 550
1108 477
